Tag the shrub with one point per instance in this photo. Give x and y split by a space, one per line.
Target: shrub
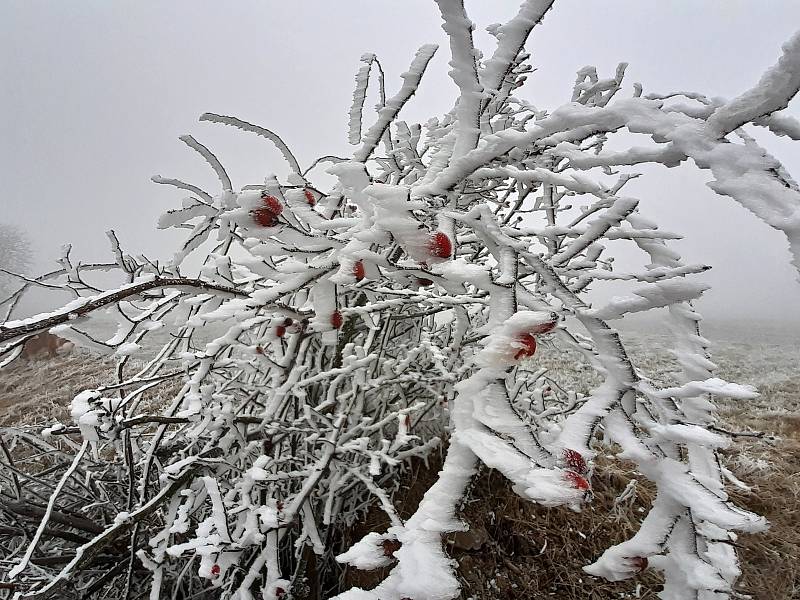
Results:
330 336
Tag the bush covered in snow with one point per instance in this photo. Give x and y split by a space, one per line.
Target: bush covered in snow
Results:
360 326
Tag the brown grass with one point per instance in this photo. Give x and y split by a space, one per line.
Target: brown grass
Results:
506 556
520 550
38 392
535 552
773 472
515 563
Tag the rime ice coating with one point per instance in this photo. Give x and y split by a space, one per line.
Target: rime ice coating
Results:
329 335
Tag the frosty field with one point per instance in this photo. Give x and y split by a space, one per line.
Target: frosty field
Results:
548 546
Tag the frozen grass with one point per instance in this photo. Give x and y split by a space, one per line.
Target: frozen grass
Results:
38 392
512 560
519 550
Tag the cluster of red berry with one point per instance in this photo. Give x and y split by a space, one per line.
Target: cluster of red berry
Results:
267 215
576 469
280 330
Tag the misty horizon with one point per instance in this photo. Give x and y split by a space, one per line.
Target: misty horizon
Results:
98 101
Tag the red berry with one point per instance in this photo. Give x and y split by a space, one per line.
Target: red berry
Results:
272 204
259 350
528 343
359 271
310 197
279 592
576 480
280 331
575 461
638 562
215 570
337 319
265 217
279 505
440 245
424 282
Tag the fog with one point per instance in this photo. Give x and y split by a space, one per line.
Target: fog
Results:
96 93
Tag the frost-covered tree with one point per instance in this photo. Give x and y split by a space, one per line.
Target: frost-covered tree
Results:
15 257
331 335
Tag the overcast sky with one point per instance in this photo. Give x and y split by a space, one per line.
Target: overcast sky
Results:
96 92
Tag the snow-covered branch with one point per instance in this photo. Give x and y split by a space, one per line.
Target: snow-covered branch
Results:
329 337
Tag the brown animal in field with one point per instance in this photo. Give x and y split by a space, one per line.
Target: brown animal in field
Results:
45 345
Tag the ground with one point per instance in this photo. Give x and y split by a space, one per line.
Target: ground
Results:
519 550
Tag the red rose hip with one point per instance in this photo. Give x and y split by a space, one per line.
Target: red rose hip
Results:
440 245
574 461
528 343
577 481
264 217
638 562
544 328
272 204
358 270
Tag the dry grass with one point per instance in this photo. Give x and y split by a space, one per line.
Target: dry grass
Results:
517 549
527 551
38 392
534 552
772 470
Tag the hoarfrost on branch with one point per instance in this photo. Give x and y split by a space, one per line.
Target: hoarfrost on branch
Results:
359 327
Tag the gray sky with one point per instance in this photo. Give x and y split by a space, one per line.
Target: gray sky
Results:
96 93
